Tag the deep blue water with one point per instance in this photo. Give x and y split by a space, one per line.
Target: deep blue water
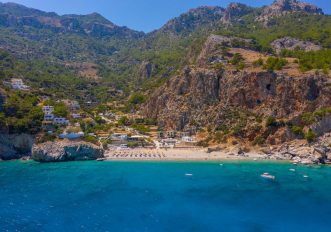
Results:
152 196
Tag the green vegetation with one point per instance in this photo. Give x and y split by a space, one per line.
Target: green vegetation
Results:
311 117
311 60
236 59
90 139
315 28
297 130
310 136
21 113
271 122
258 63
275 63
60 110
141 128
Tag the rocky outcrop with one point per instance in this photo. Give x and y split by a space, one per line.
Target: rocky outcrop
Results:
146 69
66 151
283 7
301 152
209 53
15 146
234 11
195 18
290 43
201 96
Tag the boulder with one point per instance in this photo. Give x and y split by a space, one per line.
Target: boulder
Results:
66 151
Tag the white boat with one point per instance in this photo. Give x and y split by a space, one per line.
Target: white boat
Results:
268 176
292 170
188 174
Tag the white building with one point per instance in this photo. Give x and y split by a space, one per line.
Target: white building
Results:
166 143
61 121
187 139
49 117
76 116
118 136
18 84
48 109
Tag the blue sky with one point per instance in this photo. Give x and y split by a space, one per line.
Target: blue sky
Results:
144 15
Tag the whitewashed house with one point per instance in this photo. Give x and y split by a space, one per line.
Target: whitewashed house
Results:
166 143
187 139
76 116
61 121
119 136
49 117
18 84
48 109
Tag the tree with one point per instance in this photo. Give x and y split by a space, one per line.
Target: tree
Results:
137 98
60 110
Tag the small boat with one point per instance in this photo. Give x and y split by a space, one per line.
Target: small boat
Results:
101 159
292 170
188 174
268 176
305 176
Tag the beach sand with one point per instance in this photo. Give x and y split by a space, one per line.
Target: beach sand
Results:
177 154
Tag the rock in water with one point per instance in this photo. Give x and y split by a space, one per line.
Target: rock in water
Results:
66 151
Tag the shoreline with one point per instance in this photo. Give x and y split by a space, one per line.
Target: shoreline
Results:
190 154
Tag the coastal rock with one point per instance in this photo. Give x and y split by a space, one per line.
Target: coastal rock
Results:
15 146
66 151
290 43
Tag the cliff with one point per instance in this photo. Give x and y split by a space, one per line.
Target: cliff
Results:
65 151
216 95
15 146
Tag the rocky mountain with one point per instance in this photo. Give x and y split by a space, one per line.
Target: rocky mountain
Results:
91 56
192 20
215 94
282 7
235 11
15 15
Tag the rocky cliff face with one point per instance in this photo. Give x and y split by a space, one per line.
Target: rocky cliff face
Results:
214 94
15 146
282 7
202 96
146 69
65 151
290 43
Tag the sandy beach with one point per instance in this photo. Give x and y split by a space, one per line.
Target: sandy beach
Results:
177 154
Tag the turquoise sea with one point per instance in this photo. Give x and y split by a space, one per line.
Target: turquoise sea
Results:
160 196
